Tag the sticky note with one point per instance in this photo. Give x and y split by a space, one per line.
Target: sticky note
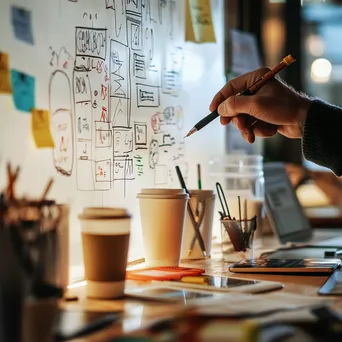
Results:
23 86
40 125
5 76
189 30
202 22
22 24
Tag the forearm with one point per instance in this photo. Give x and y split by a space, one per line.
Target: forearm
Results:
322 136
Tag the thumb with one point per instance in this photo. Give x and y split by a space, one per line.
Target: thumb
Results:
260 107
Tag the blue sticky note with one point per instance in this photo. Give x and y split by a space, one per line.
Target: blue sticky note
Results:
23 87
22 24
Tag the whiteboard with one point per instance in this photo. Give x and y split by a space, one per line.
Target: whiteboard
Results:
122 88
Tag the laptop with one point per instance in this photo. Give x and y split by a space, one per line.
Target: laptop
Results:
287 216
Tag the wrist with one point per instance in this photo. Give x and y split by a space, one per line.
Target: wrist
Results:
303 106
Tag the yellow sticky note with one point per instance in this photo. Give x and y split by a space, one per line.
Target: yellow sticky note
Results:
202 22
189 30
40 125
5 75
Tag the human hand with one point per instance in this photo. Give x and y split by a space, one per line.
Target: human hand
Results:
274 108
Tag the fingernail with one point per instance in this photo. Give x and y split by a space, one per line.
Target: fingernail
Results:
222 108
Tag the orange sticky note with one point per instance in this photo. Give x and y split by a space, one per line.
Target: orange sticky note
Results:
40 125
202 21
5 75
189 30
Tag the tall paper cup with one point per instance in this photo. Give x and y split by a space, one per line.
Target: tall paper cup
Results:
203 201
162 213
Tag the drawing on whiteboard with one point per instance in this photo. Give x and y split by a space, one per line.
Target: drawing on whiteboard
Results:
172 72
139 66
103 136
119 84
61 111
103 170
133 7
60 59
153 153
91 42
140 135
147 95
139 165
135 31
123 141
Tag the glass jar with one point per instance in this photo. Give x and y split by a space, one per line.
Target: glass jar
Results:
242 179
239 174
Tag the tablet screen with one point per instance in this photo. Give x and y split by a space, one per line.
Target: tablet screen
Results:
216 281
175 294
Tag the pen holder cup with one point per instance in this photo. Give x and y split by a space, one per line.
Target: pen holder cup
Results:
237 239
203 202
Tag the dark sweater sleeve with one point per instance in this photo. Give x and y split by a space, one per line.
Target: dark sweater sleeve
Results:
322 136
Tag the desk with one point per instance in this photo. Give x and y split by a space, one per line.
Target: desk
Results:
324 217
141 313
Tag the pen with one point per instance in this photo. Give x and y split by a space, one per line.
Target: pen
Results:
191 213
249 91
199 178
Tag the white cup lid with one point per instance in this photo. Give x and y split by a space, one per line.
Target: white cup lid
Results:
160 191
104 213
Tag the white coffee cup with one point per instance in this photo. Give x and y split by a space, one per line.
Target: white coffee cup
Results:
162 213
203 203
105 241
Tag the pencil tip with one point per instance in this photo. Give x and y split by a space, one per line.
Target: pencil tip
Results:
192 131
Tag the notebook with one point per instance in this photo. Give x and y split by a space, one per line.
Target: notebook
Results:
286 215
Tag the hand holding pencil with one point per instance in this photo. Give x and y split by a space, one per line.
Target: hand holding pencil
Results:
275 107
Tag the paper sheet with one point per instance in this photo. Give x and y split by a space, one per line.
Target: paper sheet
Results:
23 90
201 22
257 304
40 125
5 76
22 24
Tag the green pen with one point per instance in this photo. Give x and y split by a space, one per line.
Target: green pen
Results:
199 179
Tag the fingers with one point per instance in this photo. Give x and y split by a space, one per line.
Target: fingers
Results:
264 129
263 108
235 86
224 120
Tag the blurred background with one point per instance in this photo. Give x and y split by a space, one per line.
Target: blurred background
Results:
311 31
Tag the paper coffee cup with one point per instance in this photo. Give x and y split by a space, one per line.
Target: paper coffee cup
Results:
203 203
162 213
105 241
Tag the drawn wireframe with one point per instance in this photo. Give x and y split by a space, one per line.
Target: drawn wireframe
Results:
153 153
140 135
147 95
123 141
139 66
62 128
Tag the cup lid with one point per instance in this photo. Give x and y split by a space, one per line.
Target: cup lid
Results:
160 191
103 213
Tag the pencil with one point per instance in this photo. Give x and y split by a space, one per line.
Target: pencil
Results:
191 213
249 91
47 189
199 178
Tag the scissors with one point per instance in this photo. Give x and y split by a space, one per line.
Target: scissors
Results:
223 200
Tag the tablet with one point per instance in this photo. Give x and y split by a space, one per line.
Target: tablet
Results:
224 284
286 266
169 294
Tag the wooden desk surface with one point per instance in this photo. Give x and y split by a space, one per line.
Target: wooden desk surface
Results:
140 313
